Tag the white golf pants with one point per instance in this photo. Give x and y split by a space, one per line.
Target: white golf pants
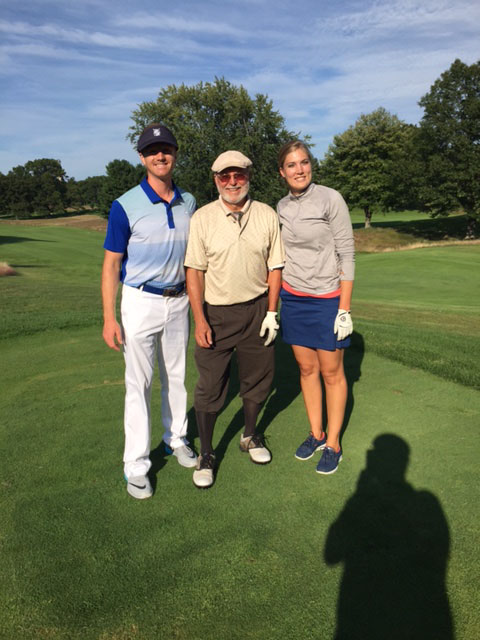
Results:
154 327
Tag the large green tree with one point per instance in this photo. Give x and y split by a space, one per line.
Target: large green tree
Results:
450 142
209 118
372 163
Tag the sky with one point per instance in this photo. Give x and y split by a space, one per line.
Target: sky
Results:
72 73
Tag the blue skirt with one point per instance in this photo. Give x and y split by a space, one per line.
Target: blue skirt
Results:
308 322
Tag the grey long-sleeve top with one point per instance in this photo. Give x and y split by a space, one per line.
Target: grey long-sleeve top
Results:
318 238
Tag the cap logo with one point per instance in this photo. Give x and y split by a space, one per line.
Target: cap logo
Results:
157 132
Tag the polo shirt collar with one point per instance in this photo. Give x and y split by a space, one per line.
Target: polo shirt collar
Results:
228 211
304 194
153 195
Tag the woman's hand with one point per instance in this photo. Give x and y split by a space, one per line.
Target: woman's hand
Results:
343 326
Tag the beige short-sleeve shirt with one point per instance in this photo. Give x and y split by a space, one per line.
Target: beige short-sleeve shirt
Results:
234 254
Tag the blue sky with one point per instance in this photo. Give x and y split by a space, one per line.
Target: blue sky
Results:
72 72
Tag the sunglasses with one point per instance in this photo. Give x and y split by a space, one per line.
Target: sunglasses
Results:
240 178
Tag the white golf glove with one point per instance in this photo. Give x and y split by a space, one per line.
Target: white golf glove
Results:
343 326
271 325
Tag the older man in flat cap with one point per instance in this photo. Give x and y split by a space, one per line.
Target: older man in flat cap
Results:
233 272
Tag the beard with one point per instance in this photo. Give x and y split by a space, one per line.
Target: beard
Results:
236 196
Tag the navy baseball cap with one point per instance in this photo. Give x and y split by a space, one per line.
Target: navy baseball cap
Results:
153 134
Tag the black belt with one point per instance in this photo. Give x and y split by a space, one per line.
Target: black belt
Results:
170 292
238 304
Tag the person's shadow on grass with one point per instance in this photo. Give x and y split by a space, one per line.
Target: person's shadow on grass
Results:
394 543
352 364
158 458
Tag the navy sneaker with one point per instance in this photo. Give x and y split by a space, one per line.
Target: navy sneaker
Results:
306 450
329 461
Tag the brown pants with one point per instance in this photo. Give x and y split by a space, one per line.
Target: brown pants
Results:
235 326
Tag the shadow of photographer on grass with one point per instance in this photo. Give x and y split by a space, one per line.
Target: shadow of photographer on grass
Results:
394 543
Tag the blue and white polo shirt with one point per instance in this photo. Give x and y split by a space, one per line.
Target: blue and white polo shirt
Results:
152 234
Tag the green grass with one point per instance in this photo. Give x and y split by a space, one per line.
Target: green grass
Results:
358 216
79 559
378 239
58 285
422 308
400 298
406 229
419 225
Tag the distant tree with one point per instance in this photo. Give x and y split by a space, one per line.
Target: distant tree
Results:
50 185
49 195
73 196
46 166
209 118
121 176
373 163
449 141
89 190
4 192
3 186
18 193
18 172
39 187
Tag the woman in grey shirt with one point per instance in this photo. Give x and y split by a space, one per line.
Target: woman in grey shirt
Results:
316 295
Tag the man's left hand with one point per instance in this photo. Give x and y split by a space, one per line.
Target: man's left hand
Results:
271 325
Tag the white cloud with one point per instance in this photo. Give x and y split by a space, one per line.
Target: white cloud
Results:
77 36
169 22
423 16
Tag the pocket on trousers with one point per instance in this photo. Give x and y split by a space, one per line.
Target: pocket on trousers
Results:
214 315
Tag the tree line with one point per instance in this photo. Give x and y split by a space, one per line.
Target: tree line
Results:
42 188
380 163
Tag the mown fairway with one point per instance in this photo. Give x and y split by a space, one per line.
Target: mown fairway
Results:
252 557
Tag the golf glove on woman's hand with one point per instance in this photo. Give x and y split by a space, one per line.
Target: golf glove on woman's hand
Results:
343 326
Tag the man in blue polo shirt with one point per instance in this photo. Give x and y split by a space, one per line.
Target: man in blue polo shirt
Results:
144 249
